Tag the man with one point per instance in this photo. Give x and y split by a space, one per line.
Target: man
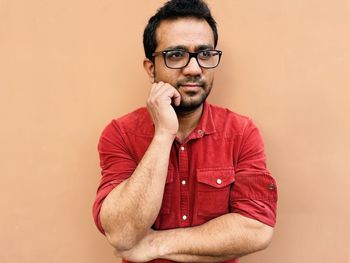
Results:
183 180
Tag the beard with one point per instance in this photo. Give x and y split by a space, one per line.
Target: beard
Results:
192 100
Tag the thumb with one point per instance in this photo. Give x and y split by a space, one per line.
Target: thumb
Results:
176 97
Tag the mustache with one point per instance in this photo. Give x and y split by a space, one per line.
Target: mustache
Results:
192 80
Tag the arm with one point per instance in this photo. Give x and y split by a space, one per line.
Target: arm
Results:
246 230
220 239
131 208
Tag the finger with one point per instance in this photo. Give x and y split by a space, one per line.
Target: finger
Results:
157 89
176 98
157 85
172 93
157 92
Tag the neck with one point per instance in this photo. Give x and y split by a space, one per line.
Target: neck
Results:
188 121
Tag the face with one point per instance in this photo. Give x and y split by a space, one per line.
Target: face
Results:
193 82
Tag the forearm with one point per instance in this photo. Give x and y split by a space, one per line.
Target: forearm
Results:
222 238
194 258
131 208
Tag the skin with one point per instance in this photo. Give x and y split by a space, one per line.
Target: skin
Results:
129 211
192 82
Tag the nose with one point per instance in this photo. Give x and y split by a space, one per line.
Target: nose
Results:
192 68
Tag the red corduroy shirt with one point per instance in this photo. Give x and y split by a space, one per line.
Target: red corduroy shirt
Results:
220 168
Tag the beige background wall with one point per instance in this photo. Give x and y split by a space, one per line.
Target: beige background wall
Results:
68 67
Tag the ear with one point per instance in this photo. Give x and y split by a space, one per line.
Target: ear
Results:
148 65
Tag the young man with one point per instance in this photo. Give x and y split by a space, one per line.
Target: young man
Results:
183 180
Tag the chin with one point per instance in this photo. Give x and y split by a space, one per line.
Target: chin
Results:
190 104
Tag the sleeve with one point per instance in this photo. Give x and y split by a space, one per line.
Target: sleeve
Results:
116 162
254 193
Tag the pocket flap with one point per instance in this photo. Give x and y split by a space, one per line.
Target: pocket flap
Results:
255 186
216 177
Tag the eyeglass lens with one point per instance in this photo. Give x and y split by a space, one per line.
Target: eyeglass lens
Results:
179 58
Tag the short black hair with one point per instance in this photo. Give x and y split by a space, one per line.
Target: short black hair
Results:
172 10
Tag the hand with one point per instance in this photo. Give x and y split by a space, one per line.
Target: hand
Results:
145 250
161 97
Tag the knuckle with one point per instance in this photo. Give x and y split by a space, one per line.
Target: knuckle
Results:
150 101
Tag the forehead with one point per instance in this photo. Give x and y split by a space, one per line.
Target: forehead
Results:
188 32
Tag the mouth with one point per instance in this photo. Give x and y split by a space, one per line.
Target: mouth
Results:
189 87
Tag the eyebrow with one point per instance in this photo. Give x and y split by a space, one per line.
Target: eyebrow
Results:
198 48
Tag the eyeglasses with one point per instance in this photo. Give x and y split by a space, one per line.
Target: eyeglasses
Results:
177 59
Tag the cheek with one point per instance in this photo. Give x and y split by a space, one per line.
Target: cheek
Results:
166 75
209 74
209 77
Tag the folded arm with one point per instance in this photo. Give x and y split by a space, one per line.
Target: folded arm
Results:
223 238
130 209
123 215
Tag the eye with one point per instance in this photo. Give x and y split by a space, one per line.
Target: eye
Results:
175 54
206 54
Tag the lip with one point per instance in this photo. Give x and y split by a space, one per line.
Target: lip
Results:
191 85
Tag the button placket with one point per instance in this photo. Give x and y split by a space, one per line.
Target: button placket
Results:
184 190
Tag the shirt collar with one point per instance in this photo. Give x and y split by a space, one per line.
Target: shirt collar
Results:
206 123
205 126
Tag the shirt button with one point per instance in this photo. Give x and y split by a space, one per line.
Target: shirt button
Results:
184 217
271 187
200 132
182 148
183 182
219 181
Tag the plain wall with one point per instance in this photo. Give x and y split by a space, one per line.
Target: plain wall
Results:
68 67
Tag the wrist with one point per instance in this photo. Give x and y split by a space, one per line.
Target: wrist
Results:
161 244
164 137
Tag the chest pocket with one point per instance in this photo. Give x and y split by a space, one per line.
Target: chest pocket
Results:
213 191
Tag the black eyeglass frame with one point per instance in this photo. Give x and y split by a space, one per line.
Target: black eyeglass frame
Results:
192 55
